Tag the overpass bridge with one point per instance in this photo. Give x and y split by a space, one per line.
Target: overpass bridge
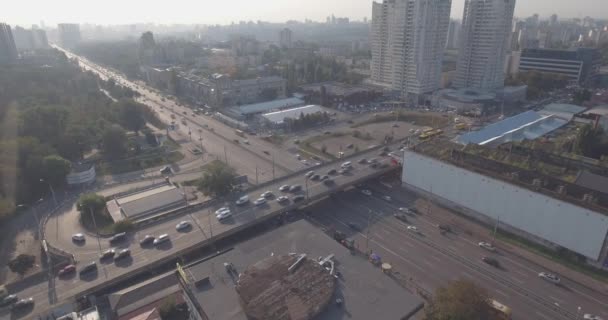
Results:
206 228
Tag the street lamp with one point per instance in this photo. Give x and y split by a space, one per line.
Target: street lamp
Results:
52 191
578 311
34 207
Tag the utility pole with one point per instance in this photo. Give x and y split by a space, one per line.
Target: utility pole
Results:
225 155
96 230
256 175
367 234
52 191
273 166
496 227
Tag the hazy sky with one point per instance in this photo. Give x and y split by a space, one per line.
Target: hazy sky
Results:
26 12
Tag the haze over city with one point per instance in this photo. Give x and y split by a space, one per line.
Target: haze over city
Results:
310 160
224 12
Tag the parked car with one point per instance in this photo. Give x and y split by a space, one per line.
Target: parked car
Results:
284 188
182 225
78 237
282 199
549 277
298 198
295 188
366 192
491 261
332 172
400 216
315 177
444 228
223 215
309 174
413 229
588 316
267 194
259 201
9 300
387 198
221 210
147 240
362 161
166 170
162 238
118 237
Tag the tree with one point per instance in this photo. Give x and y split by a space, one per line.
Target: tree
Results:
22 263
459 300
56 169
131 115
581 96
591 142
91 201
114 141
169 310
217 180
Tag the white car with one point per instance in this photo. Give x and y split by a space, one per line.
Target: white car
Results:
282 199
223 215
309 174
78 237
267 194
284 188
549 277
241 201
162 238
182 225
366 192
413 229
588 316
487 246
221 210
387 198
259 201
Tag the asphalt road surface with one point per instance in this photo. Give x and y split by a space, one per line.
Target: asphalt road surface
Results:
204 226
382 233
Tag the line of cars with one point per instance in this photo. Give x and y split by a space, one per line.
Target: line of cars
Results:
14 302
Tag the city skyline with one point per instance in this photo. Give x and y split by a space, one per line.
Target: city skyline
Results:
26 13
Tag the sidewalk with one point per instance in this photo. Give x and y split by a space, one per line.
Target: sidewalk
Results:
472 228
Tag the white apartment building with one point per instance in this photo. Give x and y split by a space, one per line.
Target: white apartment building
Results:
408 42
484 41
285 38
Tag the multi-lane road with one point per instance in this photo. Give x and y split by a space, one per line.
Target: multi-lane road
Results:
433 259
204 227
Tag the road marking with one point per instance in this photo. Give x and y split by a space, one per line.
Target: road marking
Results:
502 293
556 300
451 247
517 280
542 315
520 273
375 235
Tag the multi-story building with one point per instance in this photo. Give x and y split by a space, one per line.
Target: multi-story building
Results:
40 39
29 39
409 38
453 35
69 34
8 50
484 41
219 90
580 65
285 38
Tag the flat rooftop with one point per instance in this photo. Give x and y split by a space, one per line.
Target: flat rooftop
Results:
145 202
366 292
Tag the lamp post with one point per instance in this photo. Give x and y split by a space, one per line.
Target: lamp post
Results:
34 207
52 191
578 311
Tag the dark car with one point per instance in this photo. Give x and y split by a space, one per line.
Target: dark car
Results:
444 228
332 172
123 254
315 177
328 182
8 300
23 303
118 237
362 161
166 170
401 216
491 261
67 270
298 198
148 239
88 268
107 254
295 188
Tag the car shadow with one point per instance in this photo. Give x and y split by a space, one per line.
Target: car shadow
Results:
186 229
124 262
21 312
167 245
79 243
89 276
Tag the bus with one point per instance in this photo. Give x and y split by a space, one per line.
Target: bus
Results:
499 310
239 133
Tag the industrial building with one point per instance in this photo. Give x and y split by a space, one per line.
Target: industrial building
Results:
537 205
249 110
290 273
579 65
476 101
277 118
335 94
142 203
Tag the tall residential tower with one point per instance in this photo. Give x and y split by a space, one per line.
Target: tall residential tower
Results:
408 42
8 50
484 41
69 35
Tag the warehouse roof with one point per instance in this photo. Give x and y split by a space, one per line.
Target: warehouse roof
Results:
267 106
278 117
137 204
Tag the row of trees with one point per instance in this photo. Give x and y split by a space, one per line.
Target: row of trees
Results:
316 69
539 83
592 143
305 121
120 55
52 115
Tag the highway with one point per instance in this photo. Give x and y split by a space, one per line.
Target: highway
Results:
204 227
259 158
460 257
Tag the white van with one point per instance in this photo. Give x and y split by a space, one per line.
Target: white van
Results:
346 165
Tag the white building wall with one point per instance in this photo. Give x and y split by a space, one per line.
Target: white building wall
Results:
578 229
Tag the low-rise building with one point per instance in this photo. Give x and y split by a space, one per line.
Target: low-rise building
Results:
334 94
81 174
277 118
142 203
580 65
249 110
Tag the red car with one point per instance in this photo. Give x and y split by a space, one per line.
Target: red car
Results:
67 270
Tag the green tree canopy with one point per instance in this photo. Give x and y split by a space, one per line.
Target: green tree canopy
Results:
56 169
459 300
91 201
217 180
22 263
114 142
131 115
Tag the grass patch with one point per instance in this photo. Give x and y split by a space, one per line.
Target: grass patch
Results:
307 147
420 119
569 260
195 182
138 163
